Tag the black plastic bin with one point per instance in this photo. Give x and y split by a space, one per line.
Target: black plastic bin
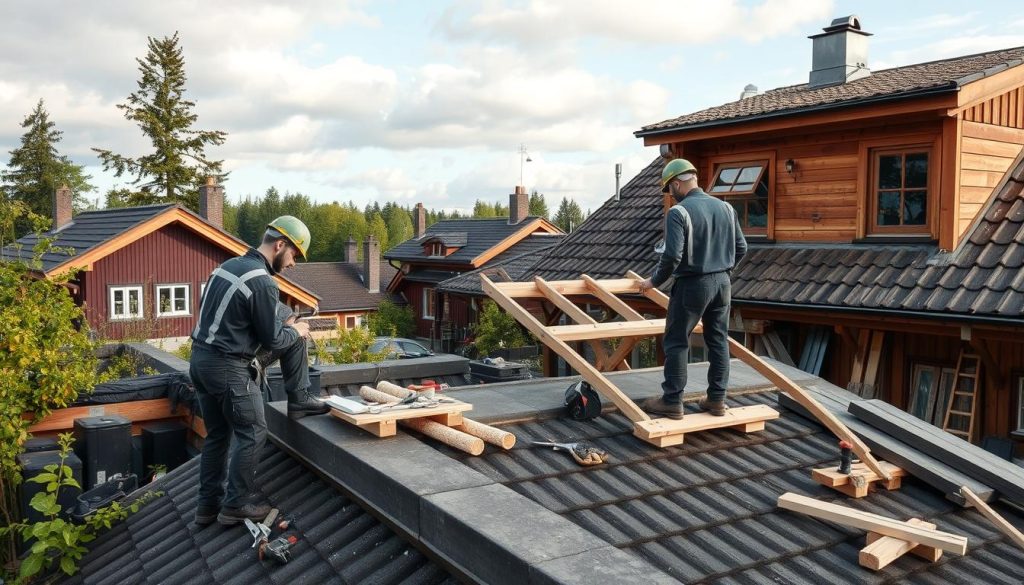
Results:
506 372
104 444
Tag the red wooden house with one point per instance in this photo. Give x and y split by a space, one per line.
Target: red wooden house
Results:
142 269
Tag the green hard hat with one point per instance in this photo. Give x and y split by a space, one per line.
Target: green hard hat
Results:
292 228
673 169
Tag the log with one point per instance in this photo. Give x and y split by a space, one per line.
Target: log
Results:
447 435
393 389
492 435
374 395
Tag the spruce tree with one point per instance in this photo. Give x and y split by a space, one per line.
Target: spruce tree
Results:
36 169
538 207
569 215
178 165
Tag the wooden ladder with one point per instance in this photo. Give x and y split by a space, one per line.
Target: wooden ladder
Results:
963 400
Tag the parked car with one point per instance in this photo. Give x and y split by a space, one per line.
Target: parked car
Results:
399 348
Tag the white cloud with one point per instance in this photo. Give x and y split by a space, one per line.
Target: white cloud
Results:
949 47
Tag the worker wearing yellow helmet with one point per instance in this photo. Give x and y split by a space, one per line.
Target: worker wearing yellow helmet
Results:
239 318
703 242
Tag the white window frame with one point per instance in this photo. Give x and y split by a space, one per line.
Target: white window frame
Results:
428 307
187 290
126 290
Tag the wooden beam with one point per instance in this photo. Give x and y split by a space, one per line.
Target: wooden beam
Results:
576 314
844 332
874 358
946 541
796 392
617 359
991 368
645 328
882 550
741 415
993 516
517 290
609 298
63 419
600 383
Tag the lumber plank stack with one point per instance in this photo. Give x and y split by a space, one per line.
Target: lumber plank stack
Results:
973 461
928 469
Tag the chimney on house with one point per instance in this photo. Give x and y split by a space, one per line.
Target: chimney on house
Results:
518 205
62 207
371 264
840 54
211 202
419 221
749 90
350 251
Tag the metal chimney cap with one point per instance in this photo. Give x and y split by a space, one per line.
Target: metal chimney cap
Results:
849 23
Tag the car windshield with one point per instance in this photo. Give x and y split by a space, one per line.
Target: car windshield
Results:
413 347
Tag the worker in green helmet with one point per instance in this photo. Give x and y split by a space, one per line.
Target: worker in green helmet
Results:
703 242
240 317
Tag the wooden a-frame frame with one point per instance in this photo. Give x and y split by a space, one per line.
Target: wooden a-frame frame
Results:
661 432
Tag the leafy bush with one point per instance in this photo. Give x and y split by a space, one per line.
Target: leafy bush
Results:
351 346
58 543
497 329
390 320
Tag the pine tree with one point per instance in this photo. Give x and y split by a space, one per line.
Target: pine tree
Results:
569 215
178 164
37 170
399 228
538 207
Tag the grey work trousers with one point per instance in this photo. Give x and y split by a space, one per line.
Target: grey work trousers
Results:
704 298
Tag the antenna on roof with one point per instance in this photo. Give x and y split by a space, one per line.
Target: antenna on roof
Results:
618 175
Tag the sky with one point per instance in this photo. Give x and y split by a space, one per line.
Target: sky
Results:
348 100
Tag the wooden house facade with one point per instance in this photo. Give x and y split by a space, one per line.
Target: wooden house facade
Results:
885 219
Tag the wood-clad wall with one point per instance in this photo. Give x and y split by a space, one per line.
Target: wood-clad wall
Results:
986 152
823 199
1006 109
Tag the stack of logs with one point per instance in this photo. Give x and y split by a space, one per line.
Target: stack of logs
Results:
469 436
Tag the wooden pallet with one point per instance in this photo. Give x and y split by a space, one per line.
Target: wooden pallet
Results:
632 328
665 432
385 424
860 480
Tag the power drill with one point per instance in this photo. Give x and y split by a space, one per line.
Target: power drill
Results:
278 549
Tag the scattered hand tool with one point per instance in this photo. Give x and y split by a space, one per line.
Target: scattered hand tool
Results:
584 453
278 549
261 532
845 457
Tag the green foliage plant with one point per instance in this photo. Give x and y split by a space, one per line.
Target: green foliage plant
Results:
496 329
58 542
391 320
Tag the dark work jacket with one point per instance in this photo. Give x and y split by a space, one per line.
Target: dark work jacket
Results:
702 236
237 316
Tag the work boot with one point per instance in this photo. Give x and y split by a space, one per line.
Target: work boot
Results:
232 516
713 407
659 407
304 402
206 514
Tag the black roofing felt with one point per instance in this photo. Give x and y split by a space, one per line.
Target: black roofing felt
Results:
86 231
899 82
338 541
480 236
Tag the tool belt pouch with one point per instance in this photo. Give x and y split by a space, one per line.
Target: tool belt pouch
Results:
582 402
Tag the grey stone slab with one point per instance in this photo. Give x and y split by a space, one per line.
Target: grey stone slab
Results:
391 474
158 359
363 373
497 534
607 565
491 406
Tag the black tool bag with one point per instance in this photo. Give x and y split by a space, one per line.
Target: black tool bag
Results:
582 402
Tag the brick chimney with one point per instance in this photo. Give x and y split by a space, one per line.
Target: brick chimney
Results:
371 264
419 221
351 251
211 202
62 207
518 205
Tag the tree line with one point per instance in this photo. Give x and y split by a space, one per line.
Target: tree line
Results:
178 164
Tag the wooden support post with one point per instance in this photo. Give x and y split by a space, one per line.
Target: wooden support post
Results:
882 550
993 516
874 359
614 302
579 316
786 385
874 522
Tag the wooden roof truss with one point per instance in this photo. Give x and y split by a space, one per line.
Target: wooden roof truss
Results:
633 327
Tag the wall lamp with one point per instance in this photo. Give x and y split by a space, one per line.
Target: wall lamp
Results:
790 166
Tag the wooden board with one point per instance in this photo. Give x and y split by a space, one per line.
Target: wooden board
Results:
882 550
664 432
884 525
1001 523
973 461
137 411
924 467
384 424
858 482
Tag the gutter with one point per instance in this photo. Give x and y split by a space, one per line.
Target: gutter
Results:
797 111
1016 322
